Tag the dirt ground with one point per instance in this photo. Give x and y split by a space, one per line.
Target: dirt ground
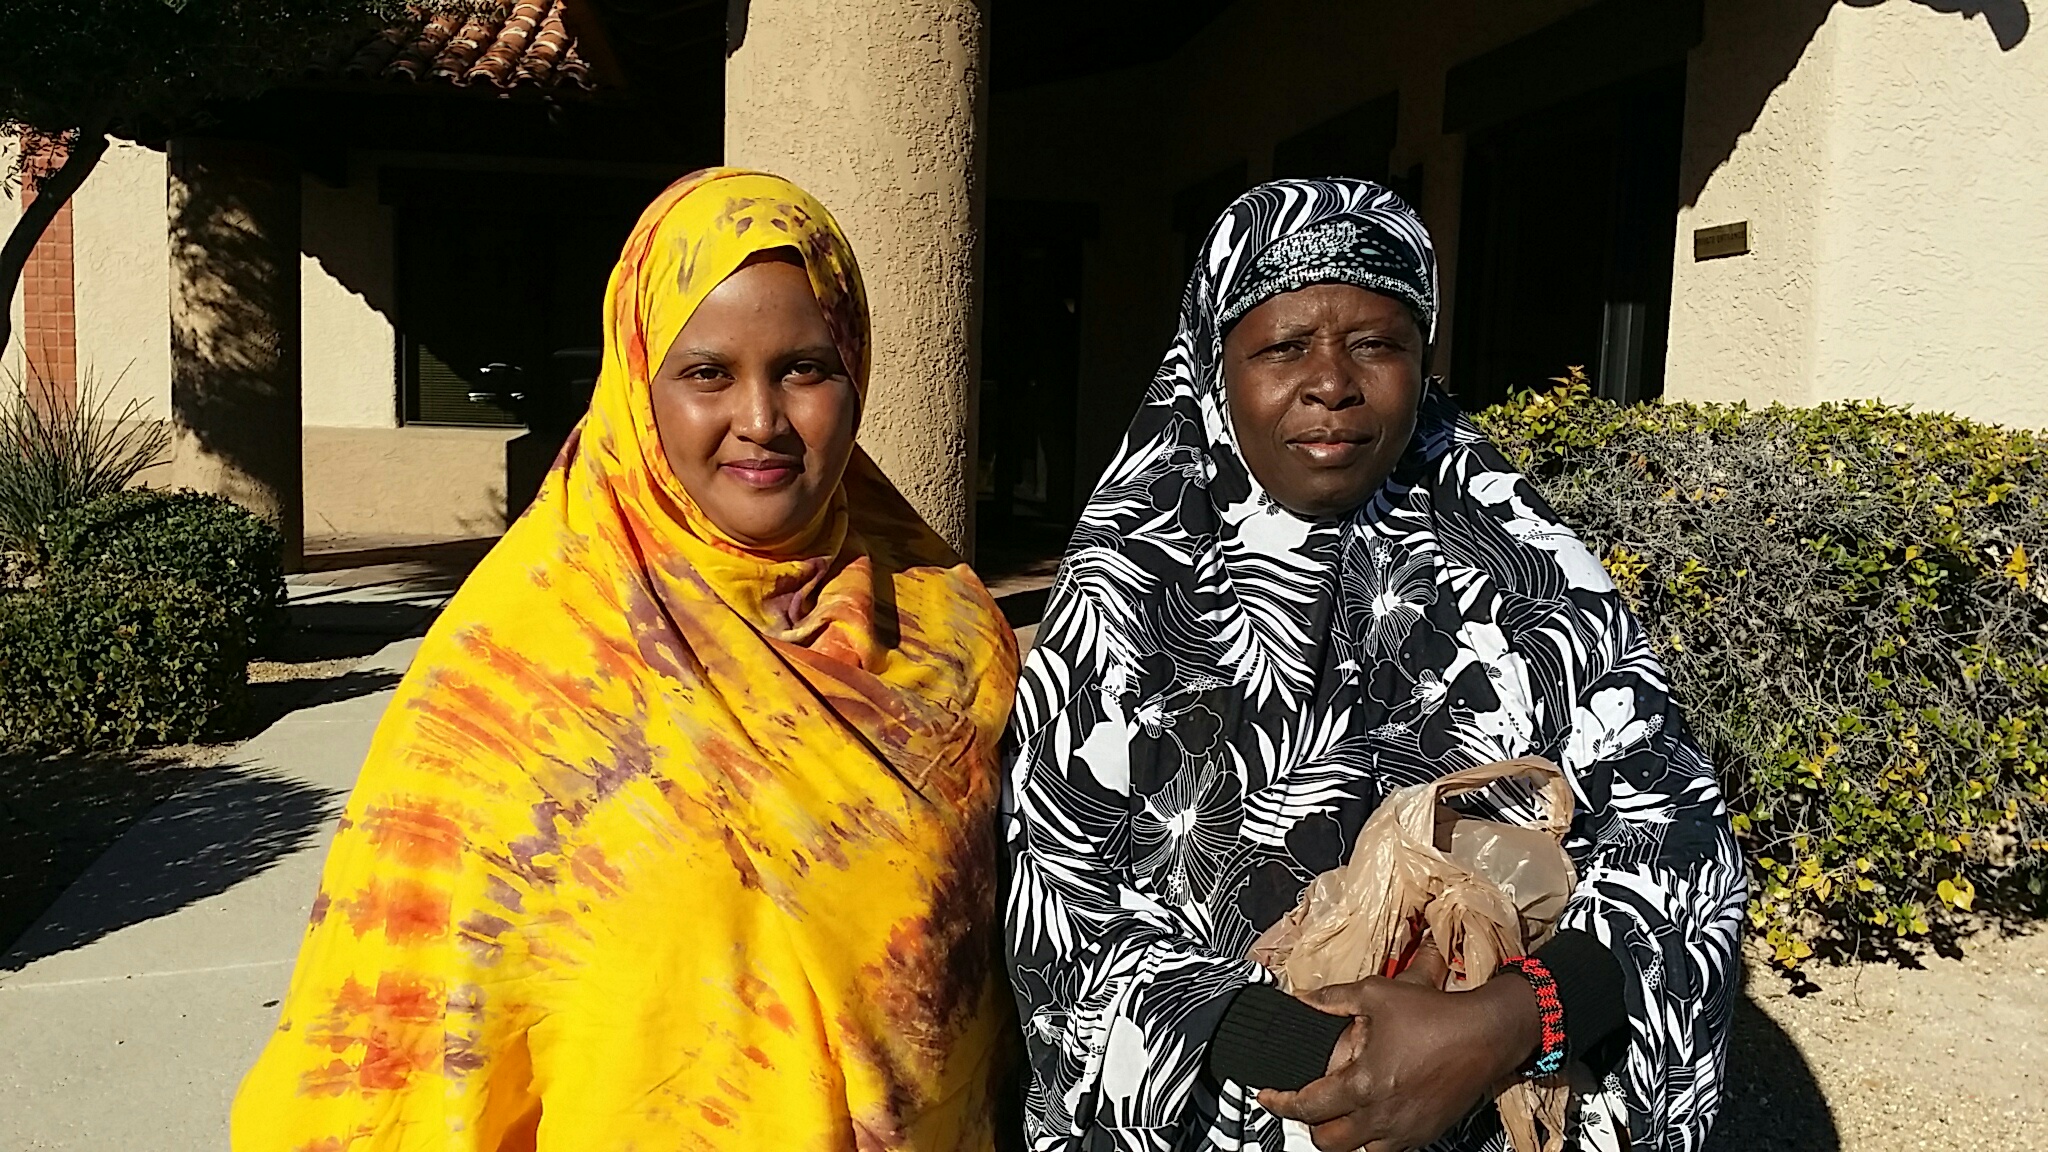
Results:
1873 1057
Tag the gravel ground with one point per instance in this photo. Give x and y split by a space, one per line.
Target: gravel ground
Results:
1874 1057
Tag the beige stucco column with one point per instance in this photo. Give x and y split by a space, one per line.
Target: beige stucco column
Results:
878 109
235 401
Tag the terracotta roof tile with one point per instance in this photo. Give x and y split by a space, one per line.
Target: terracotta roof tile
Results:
554 54
508 44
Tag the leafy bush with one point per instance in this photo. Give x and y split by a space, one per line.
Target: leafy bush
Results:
1849 603
118 662
126 616
58 453
206 540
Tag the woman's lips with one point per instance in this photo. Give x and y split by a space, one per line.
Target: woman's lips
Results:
1328 451
762 473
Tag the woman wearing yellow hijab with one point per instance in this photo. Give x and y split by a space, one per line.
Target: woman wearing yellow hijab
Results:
679 834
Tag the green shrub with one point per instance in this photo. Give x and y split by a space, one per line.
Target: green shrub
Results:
118 662
1848 600
206 540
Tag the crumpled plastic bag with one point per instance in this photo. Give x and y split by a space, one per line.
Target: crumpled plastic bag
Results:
1480 891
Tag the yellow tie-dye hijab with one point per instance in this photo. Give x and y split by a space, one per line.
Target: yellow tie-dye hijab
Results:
666 844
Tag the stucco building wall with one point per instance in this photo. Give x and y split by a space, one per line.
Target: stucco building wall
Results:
1934 247
364 475
1898 213
121 279
1755 150
406 483
347 305
122 260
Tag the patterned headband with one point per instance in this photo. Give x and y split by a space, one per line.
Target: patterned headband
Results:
1345 250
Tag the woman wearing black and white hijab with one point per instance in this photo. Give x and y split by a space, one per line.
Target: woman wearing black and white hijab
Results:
1306 581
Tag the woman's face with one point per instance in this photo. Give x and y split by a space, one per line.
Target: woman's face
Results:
755 410
1323 384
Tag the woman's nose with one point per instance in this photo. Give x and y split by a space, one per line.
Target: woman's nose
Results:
759 414
1332 379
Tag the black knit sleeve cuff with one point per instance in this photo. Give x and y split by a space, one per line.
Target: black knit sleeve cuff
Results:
1268 1039
1589 985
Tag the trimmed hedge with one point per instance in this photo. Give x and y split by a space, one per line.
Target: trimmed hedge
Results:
117 663
203 539
137 625
1849 603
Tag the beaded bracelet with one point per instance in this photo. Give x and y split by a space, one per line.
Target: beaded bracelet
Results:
1550 1058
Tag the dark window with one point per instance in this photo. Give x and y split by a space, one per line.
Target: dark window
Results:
501 280
1566 242
1030 362
438 394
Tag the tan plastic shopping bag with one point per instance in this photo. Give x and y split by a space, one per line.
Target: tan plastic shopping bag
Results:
1479 890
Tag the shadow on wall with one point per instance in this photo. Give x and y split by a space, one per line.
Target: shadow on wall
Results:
2009 19
348 232
235 312
224 826
1773 34
1771 1101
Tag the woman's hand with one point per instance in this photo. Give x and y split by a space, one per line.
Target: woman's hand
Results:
1428 969
1414 1061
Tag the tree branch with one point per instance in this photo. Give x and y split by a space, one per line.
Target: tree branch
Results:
52 194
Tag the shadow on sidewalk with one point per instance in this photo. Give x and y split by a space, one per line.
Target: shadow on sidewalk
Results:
221 827
59 813
272 701
450 559
1771 1101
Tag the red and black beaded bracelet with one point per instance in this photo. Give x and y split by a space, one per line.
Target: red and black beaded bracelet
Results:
1550 1057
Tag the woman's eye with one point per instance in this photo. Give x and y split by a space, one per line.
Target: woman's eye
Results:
707 375
806 372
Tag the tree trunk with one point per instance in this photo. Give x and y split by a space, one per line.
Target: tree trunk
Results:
51 193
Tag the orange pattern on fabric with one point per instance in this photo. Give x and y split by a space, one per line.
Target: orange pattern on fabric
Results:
665 843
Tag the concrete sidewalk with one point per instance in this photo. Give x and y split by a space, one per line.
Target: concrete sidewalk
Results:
131 1009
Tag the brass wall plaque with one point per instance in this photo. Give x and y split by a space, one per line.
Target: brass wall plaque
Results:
1720 240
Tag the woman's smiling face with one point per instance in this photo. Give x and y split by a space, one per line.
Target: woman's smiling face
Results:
755 410
1322 386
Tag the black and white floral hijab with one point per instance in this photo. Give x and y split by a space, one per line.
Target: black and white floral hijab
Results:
1222 691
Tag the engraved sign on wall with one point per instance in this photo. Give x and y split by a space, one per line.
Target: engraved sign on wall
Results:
1720 240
